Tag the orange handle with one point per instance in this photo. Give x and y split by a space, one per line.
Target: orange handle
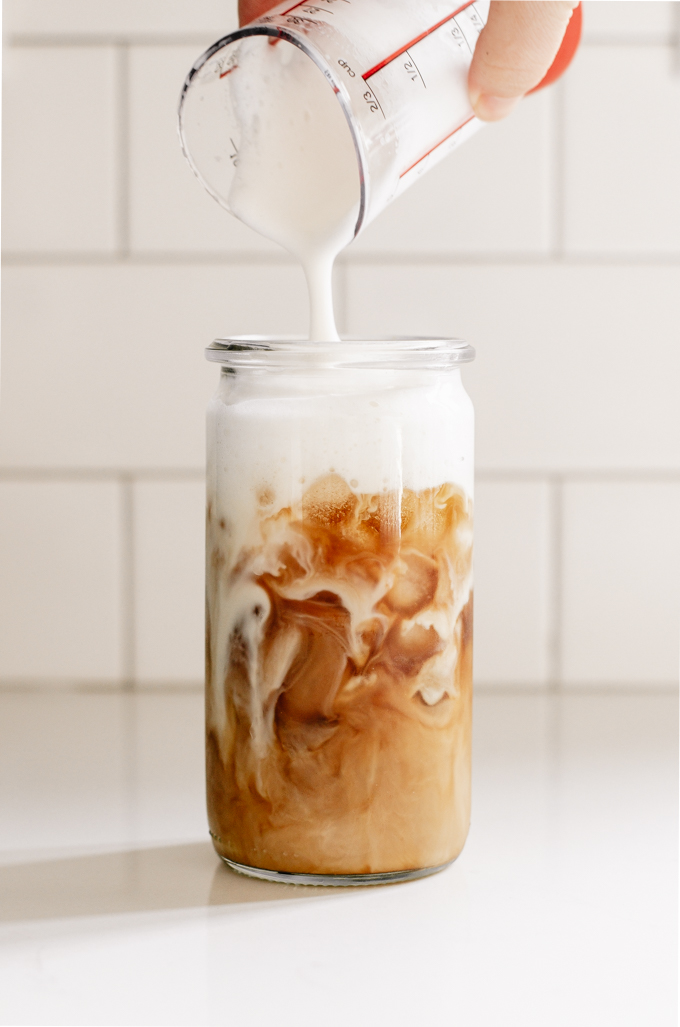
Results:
565 54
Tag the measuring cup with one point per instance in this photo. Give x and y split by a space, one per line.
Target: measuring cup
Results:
398 68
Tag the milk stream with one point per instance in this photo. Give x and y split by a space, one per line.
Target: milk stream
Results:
297 178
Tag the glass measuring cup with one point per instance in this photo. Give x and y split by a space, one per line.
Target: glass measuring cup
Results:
398 69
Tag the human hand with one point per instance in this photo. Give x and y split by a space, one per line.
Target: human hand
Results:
249 10
515 49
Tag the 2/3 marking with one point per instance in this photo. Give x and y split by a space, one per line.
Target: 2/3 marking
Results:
373 103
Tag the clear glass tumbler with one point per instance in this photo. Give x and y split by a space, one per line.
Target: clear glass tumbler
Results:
339 608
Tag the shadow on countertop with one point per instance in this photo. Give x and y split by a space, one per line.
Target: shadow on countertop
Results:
169 877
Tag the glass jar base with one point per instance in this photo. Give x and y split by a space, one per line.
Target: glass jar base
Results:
334 880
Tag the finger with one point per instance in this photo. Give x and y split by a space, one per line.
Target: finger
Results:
249 10
514 51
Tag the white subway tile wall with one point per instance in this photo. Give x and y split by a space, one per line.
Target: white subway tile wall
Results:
60 133
621 605
69 753
550 241
168 766
103 365
577 365
61 575
635 21
440 214
622 154
513 557
169 211
168 559
126 19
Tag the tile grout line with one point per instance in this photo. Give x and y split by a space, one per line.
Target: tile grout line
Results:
127 558
168 258
509 259
592 476
129 753
64 40
98 474
122 152
675 61
602 39
59 686
107 686
26 40
557 249
555 583
597 476
175 258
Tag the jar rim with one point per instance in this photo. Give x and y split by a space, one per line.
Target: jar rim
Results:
397 352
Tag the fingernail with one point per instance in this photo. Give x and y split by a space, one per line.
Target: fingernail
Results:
493 108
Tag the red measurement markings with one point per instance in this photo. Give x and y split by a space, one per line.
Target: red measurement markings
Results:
229 71
412 42
301 3
436 145
284 13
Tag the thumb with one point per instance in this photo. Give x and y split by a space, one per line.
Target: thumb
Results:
515 49
249 10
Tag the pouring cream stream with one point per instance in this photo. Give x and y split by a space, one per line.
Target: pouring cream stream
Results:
297 178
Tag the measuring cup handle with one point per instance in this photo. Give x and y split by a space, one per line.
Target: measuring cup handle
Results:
566 52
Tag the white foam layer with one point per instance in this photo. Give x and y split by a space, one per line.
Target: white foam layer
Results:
272 436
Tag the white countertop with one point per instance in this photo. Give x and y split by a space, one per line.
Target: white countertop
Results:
560 911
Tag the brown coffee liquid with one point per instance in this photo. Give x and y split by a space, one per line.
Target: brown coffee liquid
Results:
348 689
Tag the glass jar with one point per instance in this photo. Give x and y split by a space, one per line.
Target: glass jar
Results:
339 608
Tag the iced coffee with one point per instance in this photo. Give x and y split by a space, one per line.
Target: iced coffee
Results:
339 610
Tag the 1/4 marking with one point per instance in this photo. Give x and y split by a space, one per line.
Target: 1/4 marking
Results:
298 4
295 20
476 20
